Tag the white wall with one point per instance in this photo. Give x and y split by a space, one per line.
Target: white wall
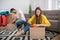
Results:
43 4
18 4
24 4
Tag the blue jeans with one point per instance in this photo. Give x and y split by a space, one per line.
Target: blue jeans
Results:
19 23
27 27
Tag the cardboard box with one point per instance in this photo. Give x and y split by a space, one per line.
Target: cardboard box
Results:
9 18
37 33
11 27
2 28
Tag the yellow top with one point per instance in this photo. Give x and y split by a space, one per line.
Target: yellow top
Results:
44 20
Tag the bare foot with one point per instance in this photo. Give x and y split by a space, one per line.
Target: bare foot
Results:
19 33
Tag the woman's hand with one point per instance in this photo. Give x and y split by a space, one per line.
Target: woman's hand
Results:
38 25
45 25
35 25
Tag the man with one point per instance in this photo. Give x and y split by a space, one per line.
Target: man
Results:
19 17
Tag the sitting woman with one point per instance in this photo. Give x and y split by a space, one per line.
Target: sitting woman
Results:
38 20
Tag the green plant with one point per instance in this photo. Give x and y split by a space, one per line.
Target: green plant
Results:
30 10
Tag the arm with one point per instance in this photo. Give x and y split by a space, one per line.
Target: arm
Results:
31 19
13 20
45 21
45 25
19 16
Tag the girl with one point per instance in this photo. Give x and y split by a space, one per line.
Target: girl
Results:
38 20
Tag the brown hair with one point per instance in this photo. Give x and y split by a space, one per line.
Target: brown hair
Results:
12 9
38 18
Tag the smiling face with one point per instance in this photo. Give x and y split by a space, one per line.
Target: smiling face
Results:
38 12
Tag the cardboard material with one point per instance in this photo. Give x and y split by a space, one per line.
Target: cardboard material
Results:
37 33
11 26
9 18
2 28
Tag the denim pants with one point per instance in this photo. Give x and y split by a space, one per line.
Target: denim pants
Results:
19 23
27 27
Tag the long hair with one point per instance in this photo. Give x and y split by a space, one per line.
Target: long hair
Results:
38 18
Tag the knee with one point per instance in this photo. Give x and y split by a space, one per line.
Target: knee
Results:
27 27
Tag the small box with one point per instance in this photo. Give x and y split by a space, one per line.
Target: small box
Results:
37 33
2 28
11 27
9 18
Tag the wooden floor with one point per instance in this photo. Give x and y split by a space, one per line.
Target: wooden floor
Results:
57 37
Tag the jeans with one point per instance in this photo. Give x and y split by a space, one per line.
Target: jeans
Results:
27 27
19 23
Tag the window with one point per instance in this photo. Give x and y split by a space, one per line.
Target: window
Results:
58 4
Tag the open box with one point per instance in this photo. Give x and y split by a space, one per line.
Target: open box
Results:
9 26
37 33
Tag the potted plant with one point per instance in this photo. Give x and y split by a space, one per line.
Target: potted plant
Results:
30 10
